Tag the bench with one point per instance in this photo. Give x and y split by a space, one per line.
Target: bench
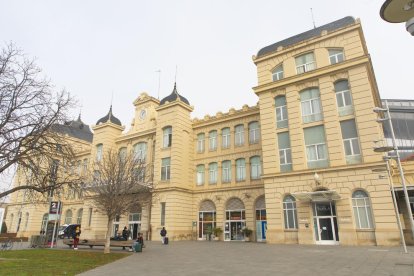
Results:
99 242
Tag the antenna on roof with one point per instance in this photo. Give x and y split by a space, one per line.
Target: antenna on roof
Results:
313 20
159 82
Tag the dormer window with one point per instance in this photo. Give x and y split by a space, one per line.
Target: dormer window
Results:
277 73
305 63
336 56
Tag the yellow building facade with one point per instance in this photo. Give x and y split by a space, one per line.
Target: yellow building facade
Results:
295 168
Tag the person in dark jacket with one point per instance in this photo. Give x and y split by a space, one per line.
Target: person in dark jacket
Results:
163 234
76 235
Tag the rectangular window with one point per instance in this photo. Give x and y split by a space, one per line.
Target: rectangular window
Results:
240 170
167 137
225 137
212 167
226 171
162 213
305 63
212 140
255 167
239 135
336 56
285 153
343 98
316 150
200 142
165 168
90 217
281 112
311 105
351 142
277 73
99 150
200 174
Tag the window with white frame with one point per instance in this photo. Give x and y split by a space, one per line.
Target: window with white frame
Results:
165 168
290 213
140 152
277 73
68 217
351 142
281 112
122 153
254 132
362 210
167 137
212 137
316 150
200 174
285 153
239 135
240 169
311 105
255 167
99 152
225 138
212 169
226 171
343 98
79 217
336 55
200 142
305 63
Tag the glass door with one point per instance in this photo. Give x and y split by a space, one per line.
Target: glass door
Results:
325 223
235 221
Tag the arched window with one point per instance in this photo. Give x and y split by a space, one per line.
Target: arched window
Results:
226 171
255 167
122 153
277 73
167 137
212 135
212 168
239 135
140 151
281 112
311 105
68 217
225 138
240 169
362 210
206 218
200 142
289 210
343 98
200 174
99 152
79 217
254 132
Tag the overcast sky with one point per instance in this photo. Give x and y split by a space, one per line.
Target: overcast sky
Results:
96 48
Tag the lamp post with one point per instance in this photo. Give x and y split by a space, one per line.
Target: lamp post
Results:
397 157
398 11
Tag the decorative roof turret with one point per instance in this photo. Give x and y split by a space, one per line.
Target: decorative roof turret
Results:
109 118
174 96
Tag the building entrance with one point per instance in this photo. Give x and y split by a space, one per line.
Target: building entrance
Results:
325 223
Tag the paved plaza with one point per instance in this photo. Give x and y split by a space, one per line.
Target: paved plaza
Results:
248 258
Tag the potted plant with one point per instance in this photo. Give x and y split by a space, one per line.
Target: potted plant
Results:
246 232
217 231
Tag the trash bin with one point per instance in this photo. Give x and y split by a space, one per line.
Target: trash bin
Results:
137 247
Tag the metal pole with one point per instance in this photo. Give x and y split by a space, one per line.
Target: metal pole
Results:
407 200
54 226
394 199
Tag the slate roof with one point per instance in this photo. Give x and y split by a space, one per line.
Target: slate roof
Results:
109 117
76 129
173 97
338 24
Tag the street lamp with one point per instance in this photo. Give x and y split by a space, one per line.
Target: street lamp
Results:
398 11
386 110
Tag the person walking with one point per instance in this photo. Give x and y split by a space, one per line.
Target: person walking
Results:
163 234
76 235
125 235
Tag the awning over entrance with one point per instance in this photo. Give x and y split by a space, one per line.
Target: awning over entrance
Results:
317 196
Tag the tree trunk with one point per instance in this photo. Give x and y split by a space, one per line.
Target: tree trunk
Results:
107 248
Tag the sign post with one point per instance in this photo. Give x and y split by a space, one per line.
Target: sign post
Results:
55 209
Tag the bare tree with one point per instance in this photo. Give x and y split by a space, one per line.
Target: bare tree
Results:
30 115
120 182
